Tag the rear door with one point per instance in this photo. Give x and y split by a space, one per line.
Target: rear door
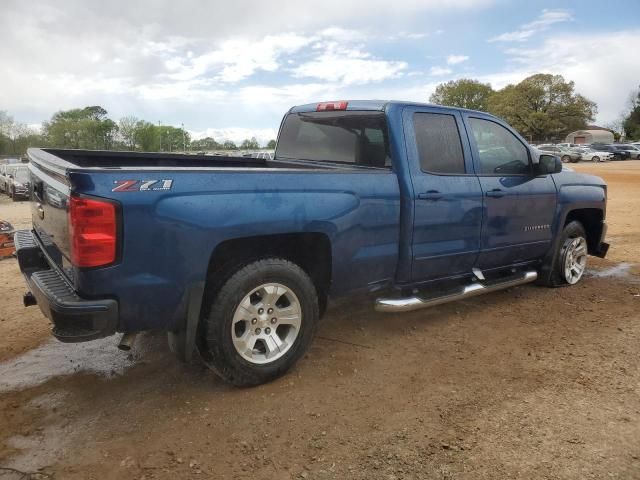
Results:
518 207
447 197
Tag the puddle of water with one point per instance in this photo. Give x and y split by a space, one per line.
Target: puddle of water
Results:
55 359
43 446
622 270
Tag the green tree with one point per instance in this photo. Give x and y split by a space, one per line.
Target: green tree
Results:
146 136
251 144
229 145
16 137
127 131
272 144
173 139
543 107
87 128
631 123
204 144
463 93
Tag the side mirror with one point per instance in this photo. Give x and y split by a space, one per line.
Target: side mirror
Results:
548 164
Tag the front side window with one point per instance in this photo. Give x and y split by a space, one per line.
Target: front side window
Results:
352 137
439 145
501 153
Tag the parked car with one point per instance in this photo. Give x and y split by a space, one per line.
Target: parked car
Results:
591 155
6 172
565 154
633 150
2 177
618 153
238 256
567 145
18 182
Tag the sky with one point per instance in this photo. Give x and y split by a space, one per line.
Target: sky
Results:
231 69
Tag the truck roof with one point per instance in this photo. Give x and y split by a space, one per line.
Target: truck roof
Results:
376 105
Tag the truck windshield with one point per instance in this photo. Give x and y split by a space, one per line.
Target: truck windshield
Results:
352 137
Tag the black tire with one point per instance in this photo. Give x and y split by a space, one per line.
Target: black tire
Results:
13 195
565 159
556 278
215 342
595 159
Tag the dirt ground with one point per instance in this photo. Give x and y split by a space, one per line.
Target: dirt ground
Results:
526 383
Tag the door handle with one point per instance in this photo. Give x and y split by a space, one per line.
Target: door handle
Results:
495 193
430 195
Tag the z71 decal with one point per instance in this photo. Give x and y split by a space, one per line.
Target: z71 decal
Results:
141 185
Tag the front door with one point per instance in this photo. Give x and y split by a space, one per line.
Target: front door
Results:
447 198
519 207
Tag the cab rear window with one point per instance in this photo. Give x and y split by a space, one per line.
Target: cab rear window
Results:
349 137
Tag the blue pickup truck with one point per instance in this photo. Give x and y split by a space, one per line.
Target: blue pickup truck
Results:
237 257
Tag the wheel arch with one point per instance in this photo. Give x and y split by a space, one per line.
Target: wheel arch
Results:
311 251
591 220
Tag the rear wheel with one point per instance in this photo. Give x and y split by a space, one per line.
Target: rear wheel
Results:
595 159
261 322
570 259
566 159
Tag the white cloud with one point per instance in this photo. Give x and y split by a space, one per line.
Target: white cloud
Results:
348 65
439 71
543 22
408 36
587 59
456 59
235 60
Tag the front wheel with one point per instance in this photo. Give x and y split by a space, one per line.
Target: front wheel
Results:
262 320
570 259
595 159
565 159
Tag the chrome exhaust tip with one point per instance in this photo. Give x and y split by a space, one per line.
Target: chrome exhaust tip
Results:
126 342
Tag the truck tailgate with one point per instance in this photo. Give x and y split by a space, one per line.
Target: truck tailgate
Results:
49 199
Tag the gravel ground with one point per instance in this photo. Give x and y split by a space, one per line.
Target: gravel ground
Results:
525 383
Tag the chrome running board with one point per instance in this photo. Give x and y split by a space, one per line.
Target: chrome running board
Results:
409 304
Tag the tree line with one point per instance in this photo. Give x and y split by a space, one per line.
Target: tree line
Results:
541 107
90 128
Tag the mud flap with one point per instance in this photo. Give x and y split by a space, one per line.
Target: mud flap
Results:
182 342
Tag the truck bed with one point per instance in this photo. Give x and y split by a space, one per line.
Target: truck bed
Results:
112 159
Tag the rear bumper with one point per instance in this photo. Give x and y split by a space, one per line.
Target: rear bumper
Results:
75 319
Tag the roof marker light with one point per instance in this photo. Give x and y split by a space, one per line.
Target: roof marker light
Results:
327 106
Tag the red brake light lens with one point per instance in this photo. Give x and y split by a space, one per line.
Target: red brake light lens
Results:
327 106
92 232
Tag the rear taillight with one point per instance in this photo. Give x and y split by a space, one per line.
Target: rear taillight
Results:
328 106
92 232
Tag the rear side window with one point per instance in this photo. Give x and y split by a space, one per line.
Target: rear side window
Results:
351 137
439 146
